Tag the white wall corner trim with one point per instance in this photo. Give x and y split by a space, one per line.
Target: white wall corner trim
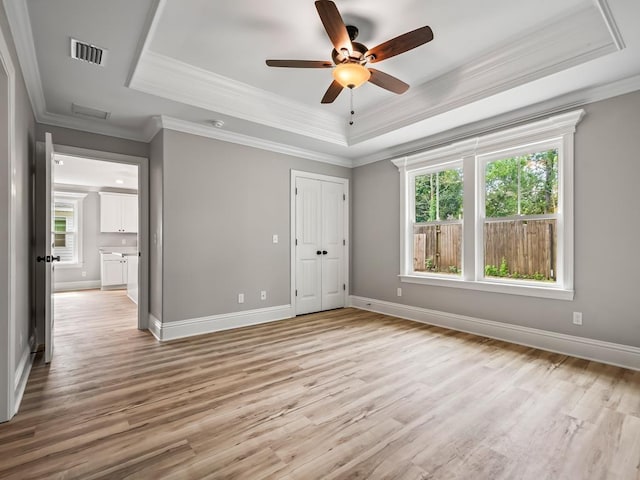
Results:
625 356
22 374
80 285
193 128
155 327
164 331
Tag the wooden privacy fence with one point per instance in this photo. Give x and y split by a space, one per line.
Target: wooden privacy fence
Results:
528 247
437 248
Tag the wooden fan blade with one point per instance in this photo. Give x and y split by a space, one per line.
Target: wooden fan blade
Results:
388 82
332 92
400 44
333 24
300 63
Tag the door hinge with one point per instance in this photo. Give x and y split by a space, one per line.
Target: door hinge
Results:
296 190
296 293
296 242
344 196
344 286
344 242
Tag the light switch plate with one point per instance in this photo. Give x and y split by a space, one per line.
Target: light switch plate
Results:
275 239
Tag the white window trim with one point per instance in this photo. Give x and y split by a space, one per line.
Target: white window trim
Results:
557 131
76 198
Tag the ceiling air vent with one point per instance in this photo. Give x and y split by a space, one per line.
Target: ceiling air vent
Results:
88 53
89 112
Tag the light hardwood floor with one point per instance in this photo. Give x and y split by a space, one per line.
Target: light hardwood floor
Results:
344 394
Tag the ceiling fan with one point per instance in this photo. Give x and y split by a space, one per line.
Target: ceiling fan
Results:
350 58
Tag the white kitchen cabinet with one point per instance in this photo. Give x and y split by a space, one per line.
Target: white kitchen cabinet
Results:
113 270
118 212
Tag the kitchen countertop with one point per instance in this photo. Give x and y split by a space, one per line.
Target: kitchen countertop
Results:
122 251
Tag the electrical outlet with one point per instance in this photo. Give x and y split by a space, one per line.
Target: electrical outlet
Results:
399 292
275 239
241 298
84 274
124 241
263 295
577 318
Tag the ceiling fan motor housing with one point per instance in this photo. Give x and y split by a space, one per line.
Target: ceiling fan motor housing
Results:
357 56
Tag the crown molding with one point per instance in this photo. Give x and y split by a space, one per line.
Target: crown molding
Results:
170 123
90 126
166 77
527 114
531 113
20 26
609 20
573 39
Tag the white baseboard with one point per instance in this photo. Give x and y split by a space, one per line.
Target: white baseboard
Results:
69 286
23 369
215 323
605 352
155 327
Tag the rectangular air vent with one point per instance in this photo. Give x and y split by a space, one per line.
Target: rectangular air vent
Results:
89 112
88 53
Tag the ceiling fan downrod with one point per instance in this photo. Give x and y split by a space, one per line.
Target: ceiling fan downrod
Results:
351 107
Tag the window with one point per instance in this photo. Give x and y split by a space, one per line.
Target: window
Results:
493 213
66 226
437 220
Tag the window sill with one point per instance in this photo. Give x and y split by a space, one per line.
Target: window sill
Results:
494 287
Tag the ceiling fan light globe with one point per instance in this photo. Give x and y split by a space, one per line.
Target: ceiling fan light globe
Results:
351 75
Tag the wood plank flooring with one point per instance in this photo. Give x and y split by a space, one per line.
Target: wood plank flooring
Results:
344 394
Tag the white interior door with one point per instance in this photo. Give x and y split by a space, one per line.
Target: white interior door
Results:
308 246
48 257
320 245
333 248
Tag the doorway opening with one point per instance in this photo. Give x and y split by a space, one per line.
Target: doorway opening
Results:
95 239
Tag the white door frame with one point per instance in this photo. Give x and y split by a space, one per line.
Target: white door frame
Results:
295 174
9 391
143 217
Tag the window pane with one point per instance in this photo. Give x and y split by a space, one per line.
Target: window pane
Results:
64 245
521 249
439 196
438 248
522 185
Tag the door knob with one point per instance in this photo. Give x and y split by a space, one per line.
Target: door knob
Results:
318 252
55 259
324 252
42 259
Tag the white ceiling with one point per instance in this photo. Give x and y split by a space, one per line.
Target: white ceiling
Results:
78 171
182 63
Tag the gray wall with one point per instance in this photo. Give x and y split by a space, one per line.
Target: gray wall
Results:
92 240
607 172
156 161
24 149
222 204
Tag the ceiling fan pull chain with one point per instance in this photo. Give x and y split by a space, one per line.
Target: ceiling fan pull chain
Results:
351 110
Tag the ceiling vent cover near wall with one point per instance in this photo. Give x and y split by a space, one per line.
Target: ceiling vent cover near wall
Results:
89 112
88 53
